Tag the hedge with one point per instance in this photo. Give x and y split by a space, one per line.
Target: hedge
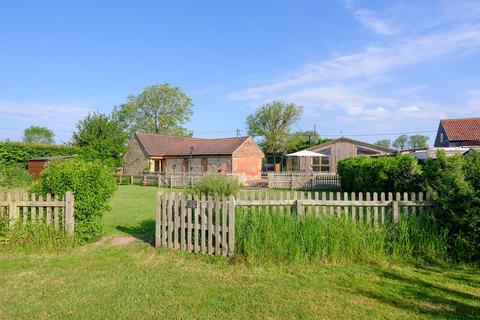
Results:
17 153
401 173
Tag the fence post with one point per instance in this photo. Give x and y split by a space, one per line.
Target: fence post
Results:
120 179
69 220
269 178
158 220
159 181
231 227
131 179
12 209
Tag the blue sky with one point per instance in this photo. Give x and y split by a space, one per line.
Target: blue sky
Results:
359 68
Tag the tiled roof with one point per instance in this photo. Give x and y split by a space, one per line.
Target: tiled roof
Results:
157 145
462 129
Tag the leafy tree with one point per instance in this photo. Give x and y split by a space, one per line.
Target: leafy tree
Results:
301 140
37 134
271 122
401 142
384 143
101 137
418 142
158 109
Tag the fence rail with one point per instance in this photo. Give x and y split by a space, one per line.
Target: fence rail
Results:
31 208
196 224
303 180
368 207
169 180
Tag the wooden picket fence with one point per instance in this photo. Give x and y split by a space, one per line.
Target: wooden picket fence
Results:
378 208
303 180
164 180
207 225
196 224
31 208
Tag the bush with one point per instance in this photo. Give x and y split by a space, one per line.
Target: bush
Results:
17 153
92 184
14 176
453 184
401 173
216 185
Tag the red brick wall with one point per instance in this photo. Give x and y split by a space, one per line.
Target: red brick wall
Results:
251 167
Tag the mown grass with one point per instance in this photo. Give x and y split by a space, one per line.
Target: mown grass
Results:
140 282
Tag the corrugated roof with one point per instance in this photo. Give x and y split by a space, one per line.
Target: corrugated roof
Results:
462 129
157 145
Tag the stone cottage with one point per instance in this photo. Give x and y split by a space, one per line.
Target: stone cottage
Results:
154 153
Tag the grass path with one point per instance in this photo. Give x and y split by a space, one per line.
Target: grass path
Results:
136 281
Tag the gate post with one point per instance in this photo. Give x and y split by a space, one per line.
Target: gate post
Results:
231 226
158 220
69 220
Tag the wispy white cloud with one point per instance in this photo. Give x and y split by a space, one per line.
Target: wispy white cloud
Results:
370 20
352 83
59 116
374 61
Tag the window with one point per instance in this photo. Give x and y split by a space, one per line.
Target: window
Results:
321 164
366 152
441 137
204 165
157 165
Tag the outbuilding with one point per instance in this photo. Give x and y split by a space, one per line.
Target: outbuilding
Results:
155 153
36 165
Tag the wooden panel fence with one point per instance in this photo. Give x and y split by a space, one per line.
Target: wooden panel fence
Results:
196 224
303 180
31 208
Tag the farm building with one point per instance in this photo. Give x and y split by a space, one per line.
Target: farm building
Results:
463 132
148 152
36 165
334 151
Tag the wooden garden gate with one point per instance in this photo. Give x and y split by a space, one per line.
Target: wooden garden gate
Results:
196 224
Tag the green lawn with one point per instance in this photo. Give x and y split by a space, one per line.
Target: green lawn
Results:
138 281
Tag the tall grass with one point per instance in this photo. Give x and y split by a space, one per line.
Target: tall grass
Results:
273 236
33 237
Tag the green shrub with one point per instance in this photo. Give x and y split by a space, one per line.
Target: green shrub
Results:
453 185
17 153
14 176
276 237
92 184
216 185
401 173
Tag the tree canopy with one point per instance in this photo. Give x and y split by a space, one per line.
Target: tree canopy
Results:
401 142
272 123
101 137
37 134
159 109
384 143
301 140
416 141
